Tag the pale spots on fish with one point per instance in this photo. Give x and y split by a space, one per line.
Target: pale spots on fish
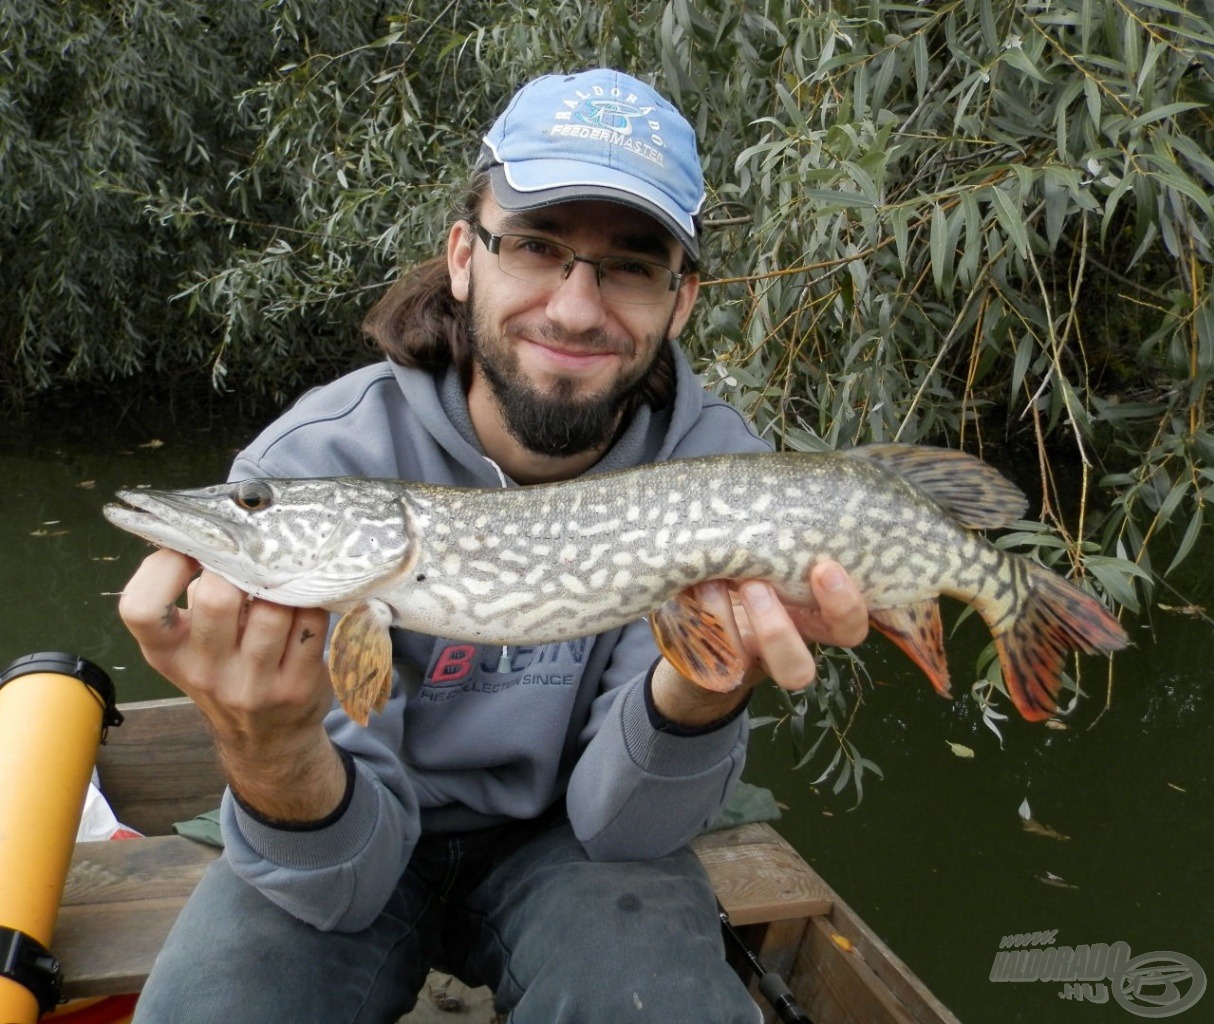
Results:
593 558
574 584
600 527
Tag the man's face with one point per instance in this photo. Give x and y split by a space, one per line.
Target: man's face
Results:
561 360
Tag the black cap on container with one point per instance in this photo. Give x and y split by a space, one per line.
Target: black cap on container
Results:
61 663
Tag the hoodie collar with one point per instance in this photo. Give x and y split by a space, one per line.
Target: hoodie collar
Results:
651 435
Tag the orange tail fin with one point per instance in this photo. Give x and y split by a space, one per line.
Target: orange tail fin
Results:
1056 617
916 629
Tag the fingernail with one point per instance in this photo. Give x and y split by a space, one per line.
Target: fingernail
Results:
832 579
759 596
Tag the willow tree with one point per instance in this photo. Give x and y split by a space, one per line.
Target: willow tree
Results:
977 223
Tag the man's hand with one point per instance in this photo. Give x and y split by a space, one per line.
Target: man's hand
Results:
773 637
256 671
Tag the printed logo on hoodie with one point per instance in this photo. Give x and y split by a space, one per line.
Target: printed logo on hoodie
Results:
460 668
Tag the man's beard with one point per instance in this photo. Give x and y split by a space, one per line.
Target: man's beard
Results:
556 422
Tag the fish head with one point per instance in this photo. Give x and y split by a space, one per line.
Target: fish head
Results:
321 543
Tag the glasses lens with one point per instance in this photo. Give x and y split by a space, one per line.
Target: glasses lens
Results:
534 260
543 263
631 280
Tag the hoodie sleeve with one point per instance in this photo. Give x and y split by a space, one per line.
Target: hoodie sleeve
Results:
337 876
642 787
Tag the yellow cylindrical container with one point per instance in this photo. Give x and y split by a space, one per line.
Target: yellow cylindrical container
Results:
53 708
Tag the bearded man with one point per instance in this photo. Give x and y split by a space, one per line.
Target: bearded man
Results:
517 816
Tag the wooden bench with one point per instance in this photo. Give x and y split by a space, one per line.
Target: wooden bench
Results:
159 767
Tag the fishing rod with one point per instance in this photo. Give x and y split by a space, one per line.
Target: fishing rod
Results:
770 984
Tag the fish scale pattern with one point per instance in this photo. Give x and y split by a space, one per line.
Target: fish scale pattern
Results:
576 558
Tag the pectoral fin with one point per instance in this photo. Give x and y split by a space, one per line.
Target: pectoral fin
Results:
917 630
695 642
360 659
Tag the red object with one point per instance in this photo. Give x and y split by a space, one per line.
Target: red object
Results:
109 1010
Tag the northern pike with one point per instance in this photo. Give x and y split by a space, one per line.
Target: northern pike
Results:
551 562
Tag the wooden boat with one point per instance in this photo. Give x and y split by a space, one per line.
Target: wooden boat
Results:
159 767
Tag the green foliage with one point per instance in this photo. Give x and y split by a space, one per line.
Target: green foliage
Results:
979 223
968 209
105 107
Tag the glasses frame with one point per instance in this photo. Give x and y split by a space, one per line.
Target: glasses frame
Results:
493 244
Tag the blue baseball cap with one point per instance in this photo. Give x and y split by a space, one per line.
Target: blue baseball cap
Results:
599 134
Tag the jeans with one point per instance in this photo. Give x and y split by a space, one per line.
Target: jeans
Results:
519 907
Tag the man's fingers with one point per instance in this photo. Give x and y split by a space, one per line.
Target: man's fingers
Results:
841 618
148 605
306 640
275 634
773 637
217 612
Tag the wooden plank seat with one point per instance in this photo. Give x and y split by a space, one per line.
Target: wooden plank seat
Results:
159 767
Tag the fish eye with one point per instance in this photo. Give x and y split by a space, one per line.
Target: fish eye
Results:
253 495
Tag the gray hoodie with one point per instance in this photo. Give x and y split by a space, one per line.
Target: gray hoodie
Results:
474 736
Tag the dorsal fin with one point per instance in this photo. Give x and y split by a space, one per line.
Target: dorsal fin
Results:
975 494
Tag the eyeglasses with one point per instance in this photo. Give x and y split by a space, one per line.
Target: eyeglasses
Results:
544 263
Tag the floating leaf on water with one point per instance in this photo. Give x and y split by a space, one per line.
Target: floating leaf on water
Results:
87 485
1195 610
1049 878
152 444
48 533
1056 723
1038 829
1179 789
990 717
1034 826
960 749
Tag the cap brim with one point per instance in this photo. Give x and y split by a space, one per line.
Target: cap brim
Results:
546 183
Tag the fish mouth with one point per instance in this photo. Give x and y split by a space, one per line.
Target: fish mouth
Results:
170 521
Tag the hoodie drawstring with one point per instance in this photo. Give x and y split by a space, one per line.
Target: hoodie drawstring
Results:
503 662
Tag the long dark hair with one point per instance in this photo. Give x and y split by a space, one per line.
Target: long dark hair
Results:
419 323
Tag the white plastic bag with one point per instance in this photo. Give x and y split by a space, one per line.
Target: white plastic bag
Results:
98 821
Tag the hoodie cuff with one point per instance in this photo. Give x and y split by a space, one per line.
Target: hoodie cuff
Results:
333 840
664 748
347 762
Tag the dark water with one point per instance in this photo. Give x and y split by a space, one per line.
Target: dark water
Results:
938 862
61 563
935 858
